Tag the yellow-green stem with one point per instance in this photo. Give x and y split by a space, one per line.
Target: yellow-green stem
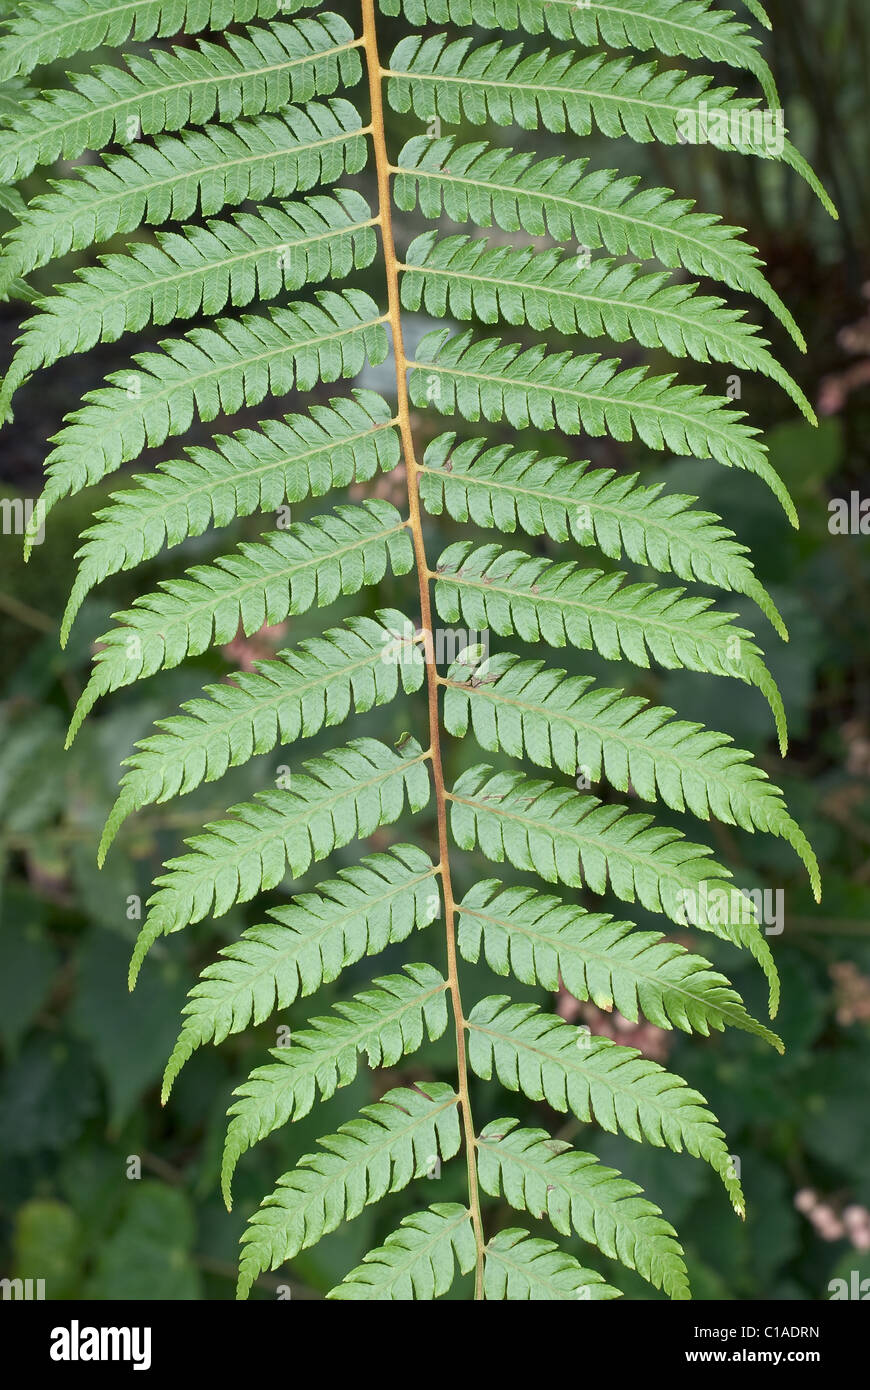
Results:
382 166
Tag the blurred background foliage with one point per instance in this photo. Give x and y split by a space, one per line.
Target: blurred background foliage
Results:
106 1195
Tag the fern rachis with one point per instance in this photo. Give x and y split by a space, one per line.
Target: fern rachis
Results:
234 151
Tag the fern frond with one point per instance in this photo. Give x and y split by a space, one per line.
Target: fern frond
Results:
11 201
382 1150
315 685
678 28
568 201
308 565
209 372
418 1261
545 1176
543 941
197 271
34 37
261 70
513 593
544 289
756 8
366 908
385 1022
343 795
14 96
548 1059
577 840
210 176
540 712
523 1267
205 170
282 461
504 488
494 380
456 81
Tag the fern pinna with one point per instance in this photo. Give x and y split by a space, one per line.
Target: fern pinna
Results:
252 138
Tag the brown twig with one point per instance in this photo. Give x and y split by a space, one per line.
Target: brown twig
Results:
382 166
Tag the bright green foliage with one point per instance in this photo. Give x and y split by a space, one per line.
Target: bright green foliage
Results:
491 380
251 257
210 169
284 461
385 1023
309 563
505 489
261 72
548 1059
344 795
436 77
213 205
517 1266
674 27
375 903
543 1175
538 938
530 709
464 278
315 685
511 592
416 1261
381 1151
212 371
548 830
571 202
78 26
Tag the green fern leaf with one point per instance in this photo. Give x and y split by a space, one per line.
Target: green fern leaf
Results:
454 81
493 380
254 257
678 28
262 70
385 1148
543 941
549 1059
368 907
282 461
386 1023
571 202
512 593
546 1176
357 666
208 169
520 1266
504 488
190 208
342 796
418 1261
34 37
208 372
577 840
531 710
308 565
757 9
468 279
